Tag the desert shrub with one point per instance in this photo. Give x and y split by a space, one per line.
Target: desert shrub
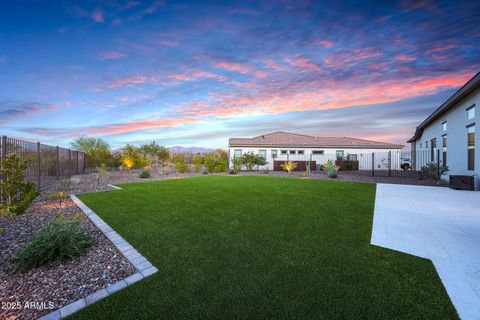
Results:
434 171
237 164
60 240
348 163
210 161
221 165
289 166
197 162
331 168
133 158
56 196
16 193
144 174
179 162
154 154
102 174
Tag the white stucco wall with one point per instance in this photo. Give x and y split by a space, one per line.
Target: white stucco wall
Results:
457 123
364 156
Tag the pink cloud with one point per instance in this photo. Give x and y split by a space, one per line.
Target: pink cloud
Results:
112 55
194 75
304 63
366 53
405 57
97 16
324 43
260 74
333 95
118 83
377 65
232 66
237 67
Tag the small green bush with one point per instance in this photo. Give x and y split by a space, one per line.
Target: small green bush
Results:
144 174
60 240
434 171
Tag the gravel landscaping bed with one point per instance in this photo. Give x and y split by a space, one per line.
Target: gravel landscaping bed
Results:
90 182
60 283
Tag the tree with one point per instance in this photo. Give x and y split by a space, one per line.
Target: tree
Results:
154 154
132 158
210 161
249 160
237 164
260 161
197 162
179 162
96 150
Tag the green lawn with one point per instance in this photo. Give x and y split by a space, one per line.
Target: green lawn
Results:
262 247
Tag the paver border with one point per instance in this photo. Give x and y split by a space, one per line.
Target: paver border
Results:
141 264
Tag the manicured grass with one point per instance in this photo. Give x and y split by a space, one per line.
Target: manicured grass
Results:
262 247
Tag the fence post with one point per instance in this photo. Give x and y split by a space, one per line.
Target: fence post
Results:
373 164
69 163
76 168
438 163
39 171
58 165
3 156
390 163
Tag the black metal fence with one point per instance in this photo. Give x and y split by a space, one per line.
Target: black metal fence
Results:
45 164
398 163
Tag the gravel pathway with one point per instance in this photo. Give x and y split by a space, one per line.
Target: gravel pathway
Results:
61 283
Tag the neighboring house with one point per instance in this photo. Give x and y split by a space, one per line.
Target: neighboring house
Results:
278 147
450 135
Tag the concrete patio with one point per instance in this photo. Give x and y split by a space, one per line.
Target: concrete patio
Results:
439 224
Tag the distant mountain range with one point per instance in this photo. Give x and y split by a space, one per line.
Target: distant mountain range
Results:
180 149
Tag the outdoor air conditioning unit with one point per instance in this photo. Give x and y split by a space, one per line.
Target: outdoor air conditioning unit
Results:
462 183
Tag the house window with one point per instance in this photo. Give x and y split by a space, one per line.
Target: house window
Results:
301 152
283 151
293 152
444 126
471 147
426 144
262 153
318 151
274 154
238 153
433 149
471 113
420 145
340 154
444 149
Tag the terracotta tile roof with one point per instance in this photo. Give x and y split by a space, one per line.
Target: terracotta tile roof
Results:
286 139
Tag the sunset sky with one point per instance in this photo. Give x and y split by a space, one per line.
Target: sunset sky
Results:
197 73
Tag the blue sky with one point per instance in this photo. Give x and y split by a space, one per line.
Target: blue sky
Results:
197 73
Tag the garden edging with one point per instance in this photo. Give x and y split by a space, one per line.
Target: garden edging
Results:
143 266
